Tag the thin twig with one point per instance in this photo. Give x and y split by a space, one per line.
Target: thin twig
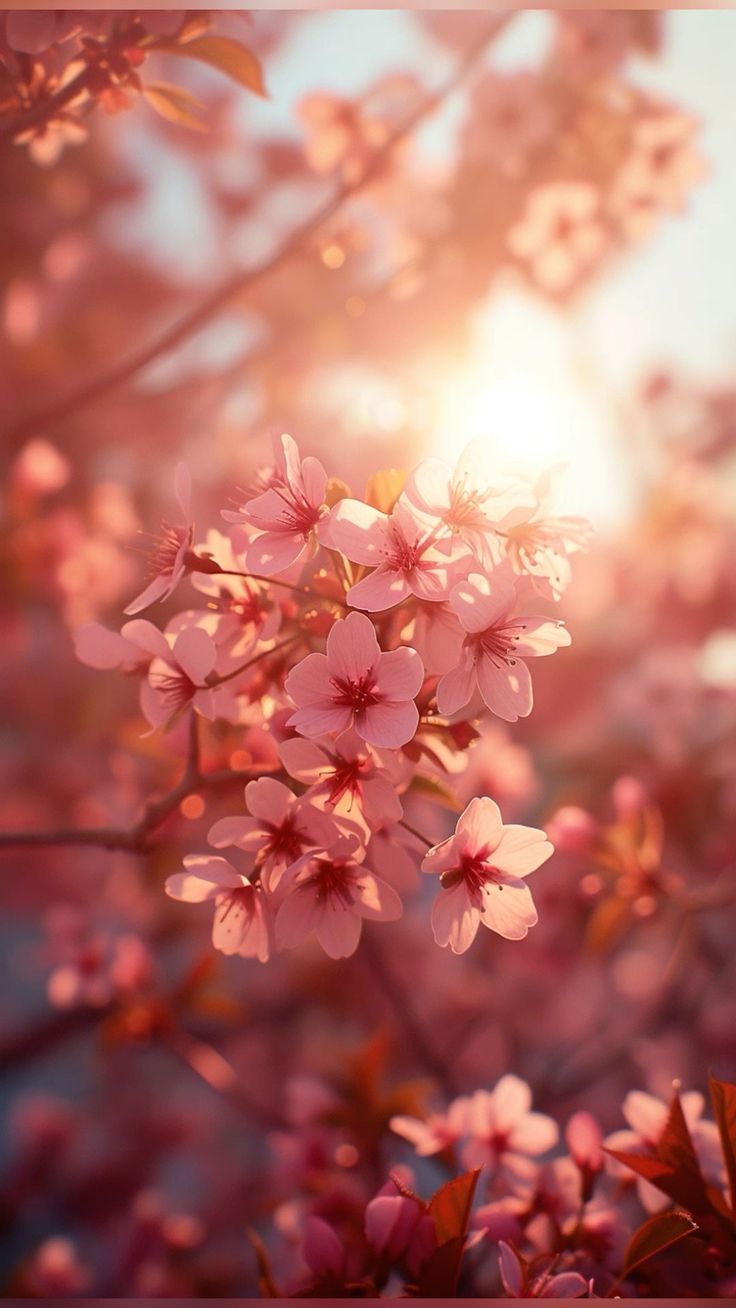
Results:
133 839
244 279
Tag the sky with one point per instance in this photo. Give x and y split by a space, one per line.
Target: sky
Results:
546 386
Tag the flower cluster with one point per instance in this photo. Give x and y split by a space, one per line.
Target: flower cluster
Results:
363 640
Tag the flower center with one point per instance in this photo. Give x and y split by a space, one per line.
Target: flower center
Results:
332 881
344 780
164 553
284 840
358 694
402 554
174 687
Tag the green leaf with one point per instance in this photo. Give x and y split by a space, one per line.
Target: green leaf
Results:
723 1097
174 104
654 1235
228 56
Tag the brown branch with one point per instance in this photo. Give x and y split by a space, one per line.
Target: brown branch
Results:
237 282
135 838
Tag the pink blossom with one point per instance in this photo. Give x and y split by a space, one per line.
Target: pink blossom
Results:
481 869
242 922
279 830
398 1229
471 504
249 613
346 779
329 894
561 234
437 1132
356 684
497 640
288 514
402 551
538 543
502 1131
179 672
168 558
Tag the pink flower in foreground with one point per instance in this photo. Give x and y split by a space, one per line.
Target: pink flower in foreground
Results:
178 674
496 642
346 779
356 684
168 558
242 922
502 1131
399 1229
519 1285
400 548
329 894
467 501
647 1118
439 1131
280 829
538 543
481 869
288 513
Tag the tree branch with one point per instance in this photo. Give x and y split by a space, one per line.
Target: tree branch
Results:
134 839
234 284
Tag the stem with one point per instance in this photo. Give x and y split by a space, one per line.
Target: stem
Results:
286 585
417 834
154 814
244 279
409 1021
257 658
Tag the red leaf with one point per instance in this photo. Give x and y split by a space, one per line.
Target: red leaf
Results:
654 1235
674 1168
450 1206
723 1096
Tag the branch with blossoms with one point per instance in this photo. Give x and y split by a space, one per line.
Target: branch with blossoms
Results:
369 642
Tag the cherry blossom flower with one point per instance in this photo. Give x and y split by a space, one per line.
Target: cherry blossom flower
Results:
481 869
560 235
402 551
279 830
288 514
497 640
502 1132
647 1117
357 684
510 118
242 923
546 1285
437 1132
168 558
99 647
248 610
179 672
329 894
345 779
399 1229
472 504
538 543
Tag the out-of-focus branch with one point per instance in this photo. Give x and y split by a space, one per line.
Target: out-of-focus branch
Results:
133 839
236 283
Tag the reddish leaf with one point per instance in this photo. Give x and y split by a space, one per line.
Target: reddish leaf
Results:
450 1206
654 1235
438 1277
723 1096
228 56
675 1169
174 104
267 1286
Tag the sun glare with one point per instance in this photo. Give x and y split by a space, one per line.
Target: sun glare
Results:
524 391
